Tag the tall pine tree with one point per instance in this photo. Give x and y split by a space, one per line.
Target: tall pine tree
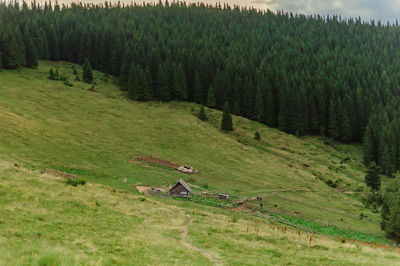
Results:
372 178
30 50
211 100
87 71
226 121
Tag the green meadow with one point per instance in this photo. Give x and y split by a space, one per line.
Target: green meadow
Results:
99 134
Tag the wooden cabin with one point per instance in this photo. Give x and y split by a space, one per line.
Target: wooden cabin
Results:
181 189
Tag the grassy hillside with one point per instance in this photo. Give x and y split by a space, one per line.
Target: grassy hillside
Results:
46 222
99 135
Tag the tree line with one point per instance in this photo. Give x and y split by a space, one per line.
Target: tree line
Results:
302 74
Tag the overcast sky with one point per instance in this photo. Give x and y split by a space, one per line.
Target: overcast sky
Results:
385 10
367 9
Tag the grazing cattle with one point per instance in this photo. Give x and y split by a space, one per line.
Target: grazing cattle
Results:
297 212
240 203
275 205
125 180
259 198
341 219
261 205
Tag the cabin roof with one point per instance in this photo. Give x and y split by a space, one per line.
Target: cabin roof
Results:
183 183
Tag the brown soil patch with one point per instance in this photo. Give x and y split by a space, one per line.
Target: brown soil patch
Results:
54 172
143 189
177 167
158 162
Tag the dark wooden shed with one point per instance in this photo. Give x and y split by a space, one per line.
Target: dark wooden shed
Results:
181 189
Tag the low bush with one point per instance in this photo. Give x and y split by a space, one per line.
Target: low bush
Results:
68 83
75 182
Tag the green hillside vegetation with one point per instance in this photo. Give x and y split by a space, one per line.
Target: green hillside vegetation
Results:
306 75
96 133
46 222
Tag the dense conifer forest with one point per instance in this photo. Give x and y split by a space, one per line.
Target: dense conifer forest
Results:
301 74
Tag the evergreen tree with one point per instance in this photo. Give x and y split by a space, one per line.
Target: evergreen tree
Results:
211 100
124 71
197 90
385 214
283 114
345 129
226 121
271 117
393 224
37 39
10 54
179 84
202 114
30 50
137 84
333 126
220 85
372 178
163 88
87 71
386 164
369 145
53 75
53 43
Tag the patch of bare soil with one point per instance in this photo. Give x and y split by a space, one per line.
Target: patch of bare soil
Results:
143 189
183 169
184 235
54 172
158 162
147 190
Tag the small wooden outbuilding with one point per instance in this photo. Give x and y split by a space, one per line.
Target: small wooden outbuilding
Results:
181 189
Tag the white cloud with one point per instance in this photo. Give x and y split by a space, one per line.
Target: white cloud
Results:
367 9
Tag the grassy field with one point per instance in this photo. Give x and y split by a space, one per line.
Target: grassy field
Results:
99 134
43 221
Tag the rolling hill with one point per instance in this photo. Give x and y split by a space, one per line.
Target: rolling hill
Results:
98 134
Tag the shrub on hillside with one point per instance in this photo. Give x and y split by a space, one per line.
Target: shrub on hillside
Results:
53 74
68 83
202 114
75 182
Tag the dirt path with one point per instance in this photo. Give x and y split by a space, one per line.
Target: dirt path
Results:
184 240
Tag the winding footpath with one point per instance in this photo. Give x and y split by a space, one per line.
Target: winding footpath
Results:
184 240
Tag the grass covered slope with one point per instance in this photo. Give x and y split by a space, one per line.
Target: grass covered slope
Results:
99 134
43 221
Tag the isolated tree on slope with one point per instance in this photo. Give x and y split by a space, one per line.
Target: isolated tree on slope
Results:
202 114
372 179
226 122
87 71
